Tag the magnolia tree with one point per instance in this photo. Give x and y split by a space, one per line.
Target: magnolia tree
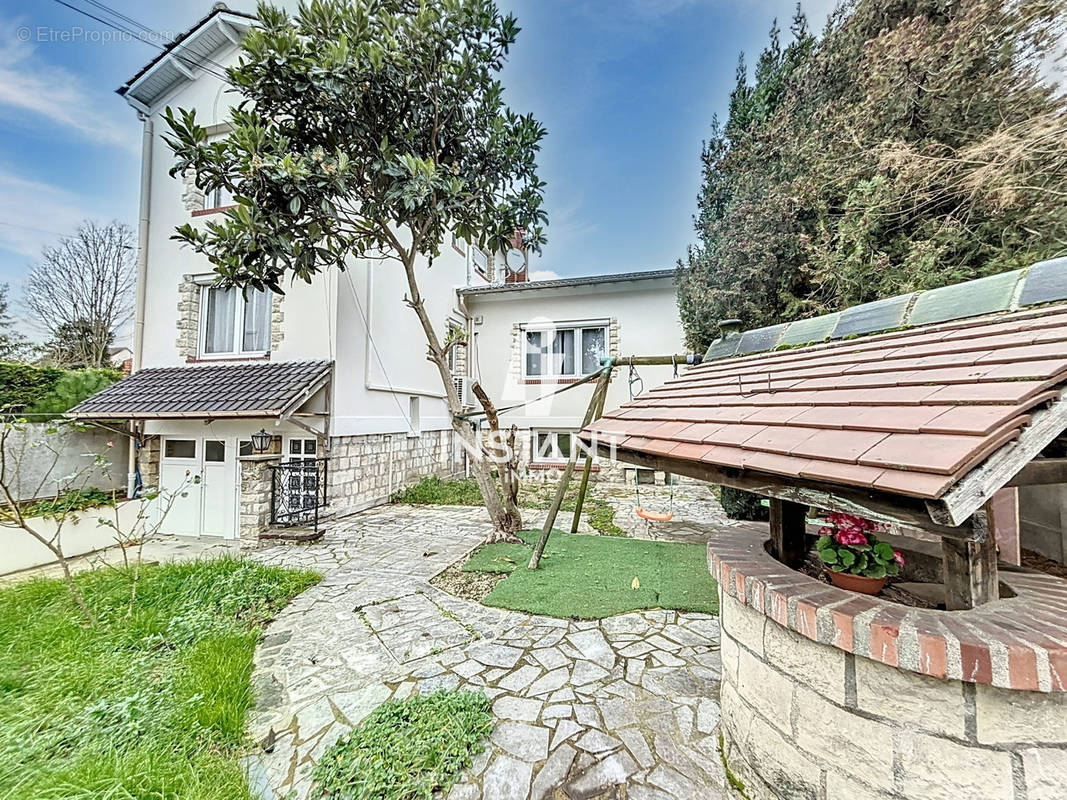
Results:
370 129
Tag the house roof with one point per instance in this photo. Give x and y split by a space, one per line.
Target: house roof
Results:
186 54
563 283
903 413
208 391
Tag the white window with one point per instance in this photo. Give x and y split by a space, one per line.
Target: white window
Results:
458 244
234 324
480 261
554 446
414 417
564 352
218 198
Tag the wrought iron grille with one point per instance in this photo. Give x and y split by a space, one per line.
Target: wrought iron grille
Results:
298 491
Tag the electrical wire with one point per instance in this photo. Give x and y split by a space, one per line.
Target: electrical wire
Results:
133 33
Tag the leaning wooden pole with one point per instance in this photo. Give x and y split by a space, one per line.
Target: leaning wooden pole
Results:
584 485
568 471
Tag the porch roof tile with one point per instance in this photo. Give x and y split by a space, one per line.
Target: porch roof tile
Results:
206 391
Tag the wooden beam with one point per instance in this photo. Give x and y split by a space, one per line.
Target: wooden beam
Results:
681 359
970 567
788 529
894 509
1041 472
976 487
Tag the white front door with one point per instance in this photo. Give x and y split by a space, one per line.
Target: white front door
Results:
198 478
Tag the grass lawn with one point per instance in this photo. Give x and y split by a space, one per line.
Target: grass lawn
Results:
464 492
590 577
149 705
407 749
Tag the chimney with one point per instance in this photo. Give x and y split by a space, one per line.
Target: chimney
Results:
729 328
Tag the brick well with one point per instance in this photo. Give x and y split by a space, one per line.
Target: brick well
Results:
831 695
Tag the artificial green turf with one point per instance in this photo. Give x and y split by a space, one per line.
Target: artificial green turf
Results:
411 749
591 577
150 704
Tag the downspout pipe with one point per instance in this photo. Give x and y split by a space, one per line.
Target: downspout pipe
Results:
143 220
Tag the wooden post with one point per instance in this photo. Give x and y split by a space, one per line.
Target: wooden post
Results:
970 567
584 485
568 471
1002 511
788 530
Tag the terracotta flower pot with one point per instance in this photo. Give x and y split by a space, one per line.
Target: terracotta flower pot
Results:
856 583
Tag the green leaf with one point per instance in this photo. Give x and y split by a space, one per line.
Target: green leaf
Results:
828 556
848 558
883 551
876 571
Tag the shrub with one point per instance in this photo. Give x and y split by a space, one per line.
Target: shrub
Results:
73 500
72 387
739 504
47 391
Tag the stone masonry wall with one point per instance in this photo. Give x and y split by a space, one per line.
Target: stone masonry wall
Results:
253 504
148 462
801 719
366 470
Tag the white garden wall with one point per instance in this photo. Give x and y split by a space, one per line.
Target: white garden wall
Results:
81 535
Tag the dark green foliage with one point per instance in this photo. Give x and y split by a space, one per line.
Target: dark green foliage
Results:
41 392
739 504
71 388
438 491
913 145
411 749
591 577
149 704
74 500
364 118
23 385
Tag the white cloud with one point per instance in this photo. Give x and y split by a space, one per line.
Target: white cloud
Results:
31 86
33 214
543 275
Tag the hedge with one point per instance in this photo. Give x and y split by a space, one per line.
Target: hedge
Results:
48 391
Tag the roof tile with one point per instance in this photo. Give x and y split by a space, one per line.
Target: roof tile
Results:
905 412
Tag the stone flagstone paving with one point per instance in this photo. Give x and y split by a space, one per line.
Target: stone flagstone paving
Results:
625 707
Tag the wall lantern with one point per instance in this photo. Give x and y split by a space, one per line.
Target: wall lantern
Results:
261 441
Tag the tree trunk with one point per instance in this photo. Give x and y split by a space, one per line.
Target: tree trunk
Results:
505 524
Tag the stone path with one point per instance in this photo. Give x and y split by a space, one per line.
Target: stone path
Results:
621 708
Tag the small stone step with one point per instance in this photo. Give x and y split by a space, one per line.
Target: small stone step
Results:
296 535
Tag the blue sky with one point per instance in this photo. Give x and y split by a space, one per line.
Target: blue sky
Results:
626 88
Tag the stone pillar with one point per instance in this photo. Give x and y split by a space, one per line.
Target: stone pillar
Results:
148 462
253 505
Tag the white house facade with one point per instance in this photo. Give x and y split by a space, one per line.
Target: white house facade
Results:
333 375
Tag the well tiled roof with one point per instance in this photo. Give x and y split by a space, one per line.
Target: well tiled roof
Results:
906 413
1040 283
214 390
